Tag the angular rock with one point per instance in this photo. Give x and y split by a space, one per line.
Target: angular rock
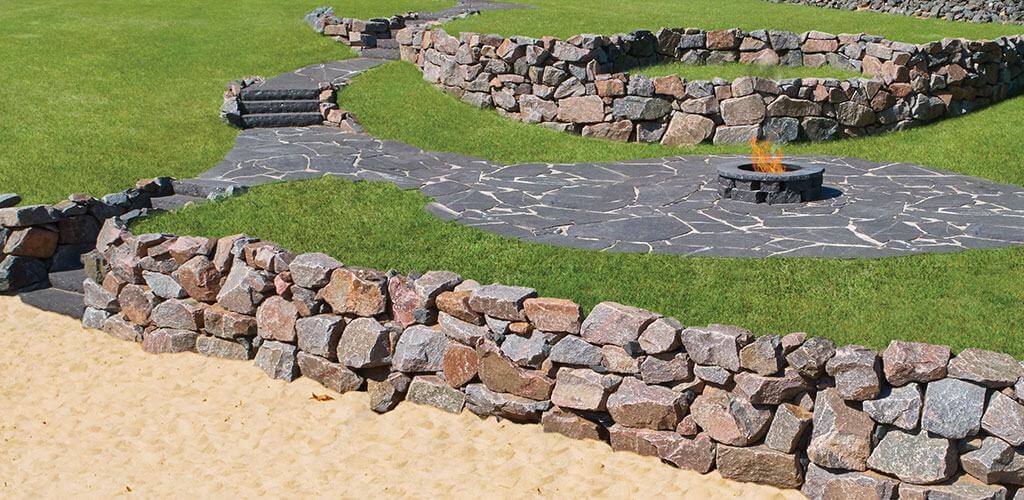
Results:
666 368
319 335
760 464
953 408
554 315
994 462
714 375
788 429
717 345
244 289
97 297
964 488
463 332
687 129
527 351
385 395
899 407
611 323
617 360
333 376
747 110
1004 418
857 371
570 424
178 315
841 436
225 324
461 365
185 248
583 389
640 108
661 336
500 374
586 109
365 343
501 301
906 362
276 319
456 304
215 347
988 368
313 270
119 327
764 356
200 279
573 350
822 484
36 241
483 401
420 349
430 390
164 286
357 291
166 340
277 359
137 303
810 358
730 419
915 458
635 404
94 318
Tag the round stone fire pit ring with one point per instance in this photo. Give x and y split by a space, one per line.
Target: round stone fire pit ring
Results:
740 182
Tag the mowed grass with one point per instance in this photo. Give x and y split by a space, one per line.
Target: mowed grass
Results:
731 71
565 18
985 143
968 299
96 94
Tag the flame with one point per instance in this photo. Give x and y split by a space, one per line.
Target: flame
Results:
766 158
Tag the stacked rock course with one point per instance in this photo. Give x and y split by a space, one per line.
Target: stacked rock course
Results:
975 11
788 411
579 85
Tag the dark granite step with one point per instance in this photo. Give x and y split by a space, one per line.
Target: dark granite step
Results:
200 188
389 54
54 300
273 93
387 43
273 120
288 106
175 202
68 281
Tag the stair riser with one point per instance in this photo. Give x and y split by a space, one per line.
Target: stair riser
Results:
262 94
280 106
282 120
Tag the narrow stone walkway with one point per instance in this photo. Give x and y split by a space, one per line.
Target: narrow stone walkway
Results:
664 205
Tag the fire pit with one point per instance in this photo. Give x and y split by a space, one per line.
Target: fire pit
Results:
765 178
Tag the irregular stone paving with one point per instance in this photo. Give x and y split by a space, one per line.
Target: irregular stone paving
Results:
664 205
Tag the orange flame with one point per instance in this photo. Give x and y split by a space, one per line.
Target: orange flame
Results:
766 158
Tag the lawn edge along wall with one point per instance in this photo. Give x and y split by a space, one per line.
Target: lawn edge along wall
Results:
788 411
580 85
975 11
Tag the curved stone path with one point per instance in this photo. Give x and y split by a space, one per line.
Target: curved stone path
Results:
664 205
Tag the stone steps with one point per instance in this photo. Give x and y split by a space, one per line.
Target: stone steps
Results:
285 106
56 300
175 202
381 53
68 281
273 93
273 120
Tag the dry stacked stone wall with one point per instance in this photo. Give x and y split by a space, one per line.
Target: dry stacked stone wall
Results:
837 421
582 84
975 11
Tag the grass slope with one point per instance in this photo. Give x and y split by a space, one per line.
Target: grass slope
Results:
964 299
564 18
99 93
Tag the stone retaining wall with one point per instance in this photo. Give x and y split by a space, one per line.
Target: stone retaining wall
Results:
36 240
789 411
975 11
580 85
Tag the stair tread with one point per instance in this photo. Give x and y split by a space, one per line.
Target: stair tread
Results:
69 281
57 301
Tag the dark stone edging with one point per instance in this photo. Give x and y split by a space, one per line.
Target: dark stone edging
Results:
781 410
975 11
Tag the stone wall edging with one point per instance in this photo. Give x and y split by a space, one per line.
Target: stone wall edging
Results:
582 85
789 411
975 11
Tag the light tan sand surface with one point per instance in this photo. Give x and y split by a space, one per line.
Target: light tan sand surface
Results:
84 414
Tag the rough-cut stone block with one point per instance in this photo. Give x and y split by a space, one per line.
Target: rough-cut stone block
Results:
688 129
661 336
1004 418
333 376
463 332
824 484
915 458
166 340
730 419
276 319
759 389
586 109
953 408
356 291
636 404
94 318
964 488
857 371
568 423
906 362
695 454
666 368
456 304
215 347
583 389
995 461
385 395
747 110
483 401
37 241
244 289
100 298
420 349
615 324
461 365
618 360
759 464
988 368
119 327
319 335
554 315
365 343
200 279
573 350
164 286
501 301
841 437
177 314
899 407
137 303
430 390
717 345
313 270
501 374
810 358
764 356
226 324
277 360
527 351
788 429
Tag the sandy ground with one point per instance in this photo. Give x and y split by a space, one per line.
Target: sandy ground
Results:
84 414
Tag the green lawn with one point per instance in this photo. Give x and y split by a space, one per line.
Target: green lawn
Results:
963 299
732 71
564 18
99 93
